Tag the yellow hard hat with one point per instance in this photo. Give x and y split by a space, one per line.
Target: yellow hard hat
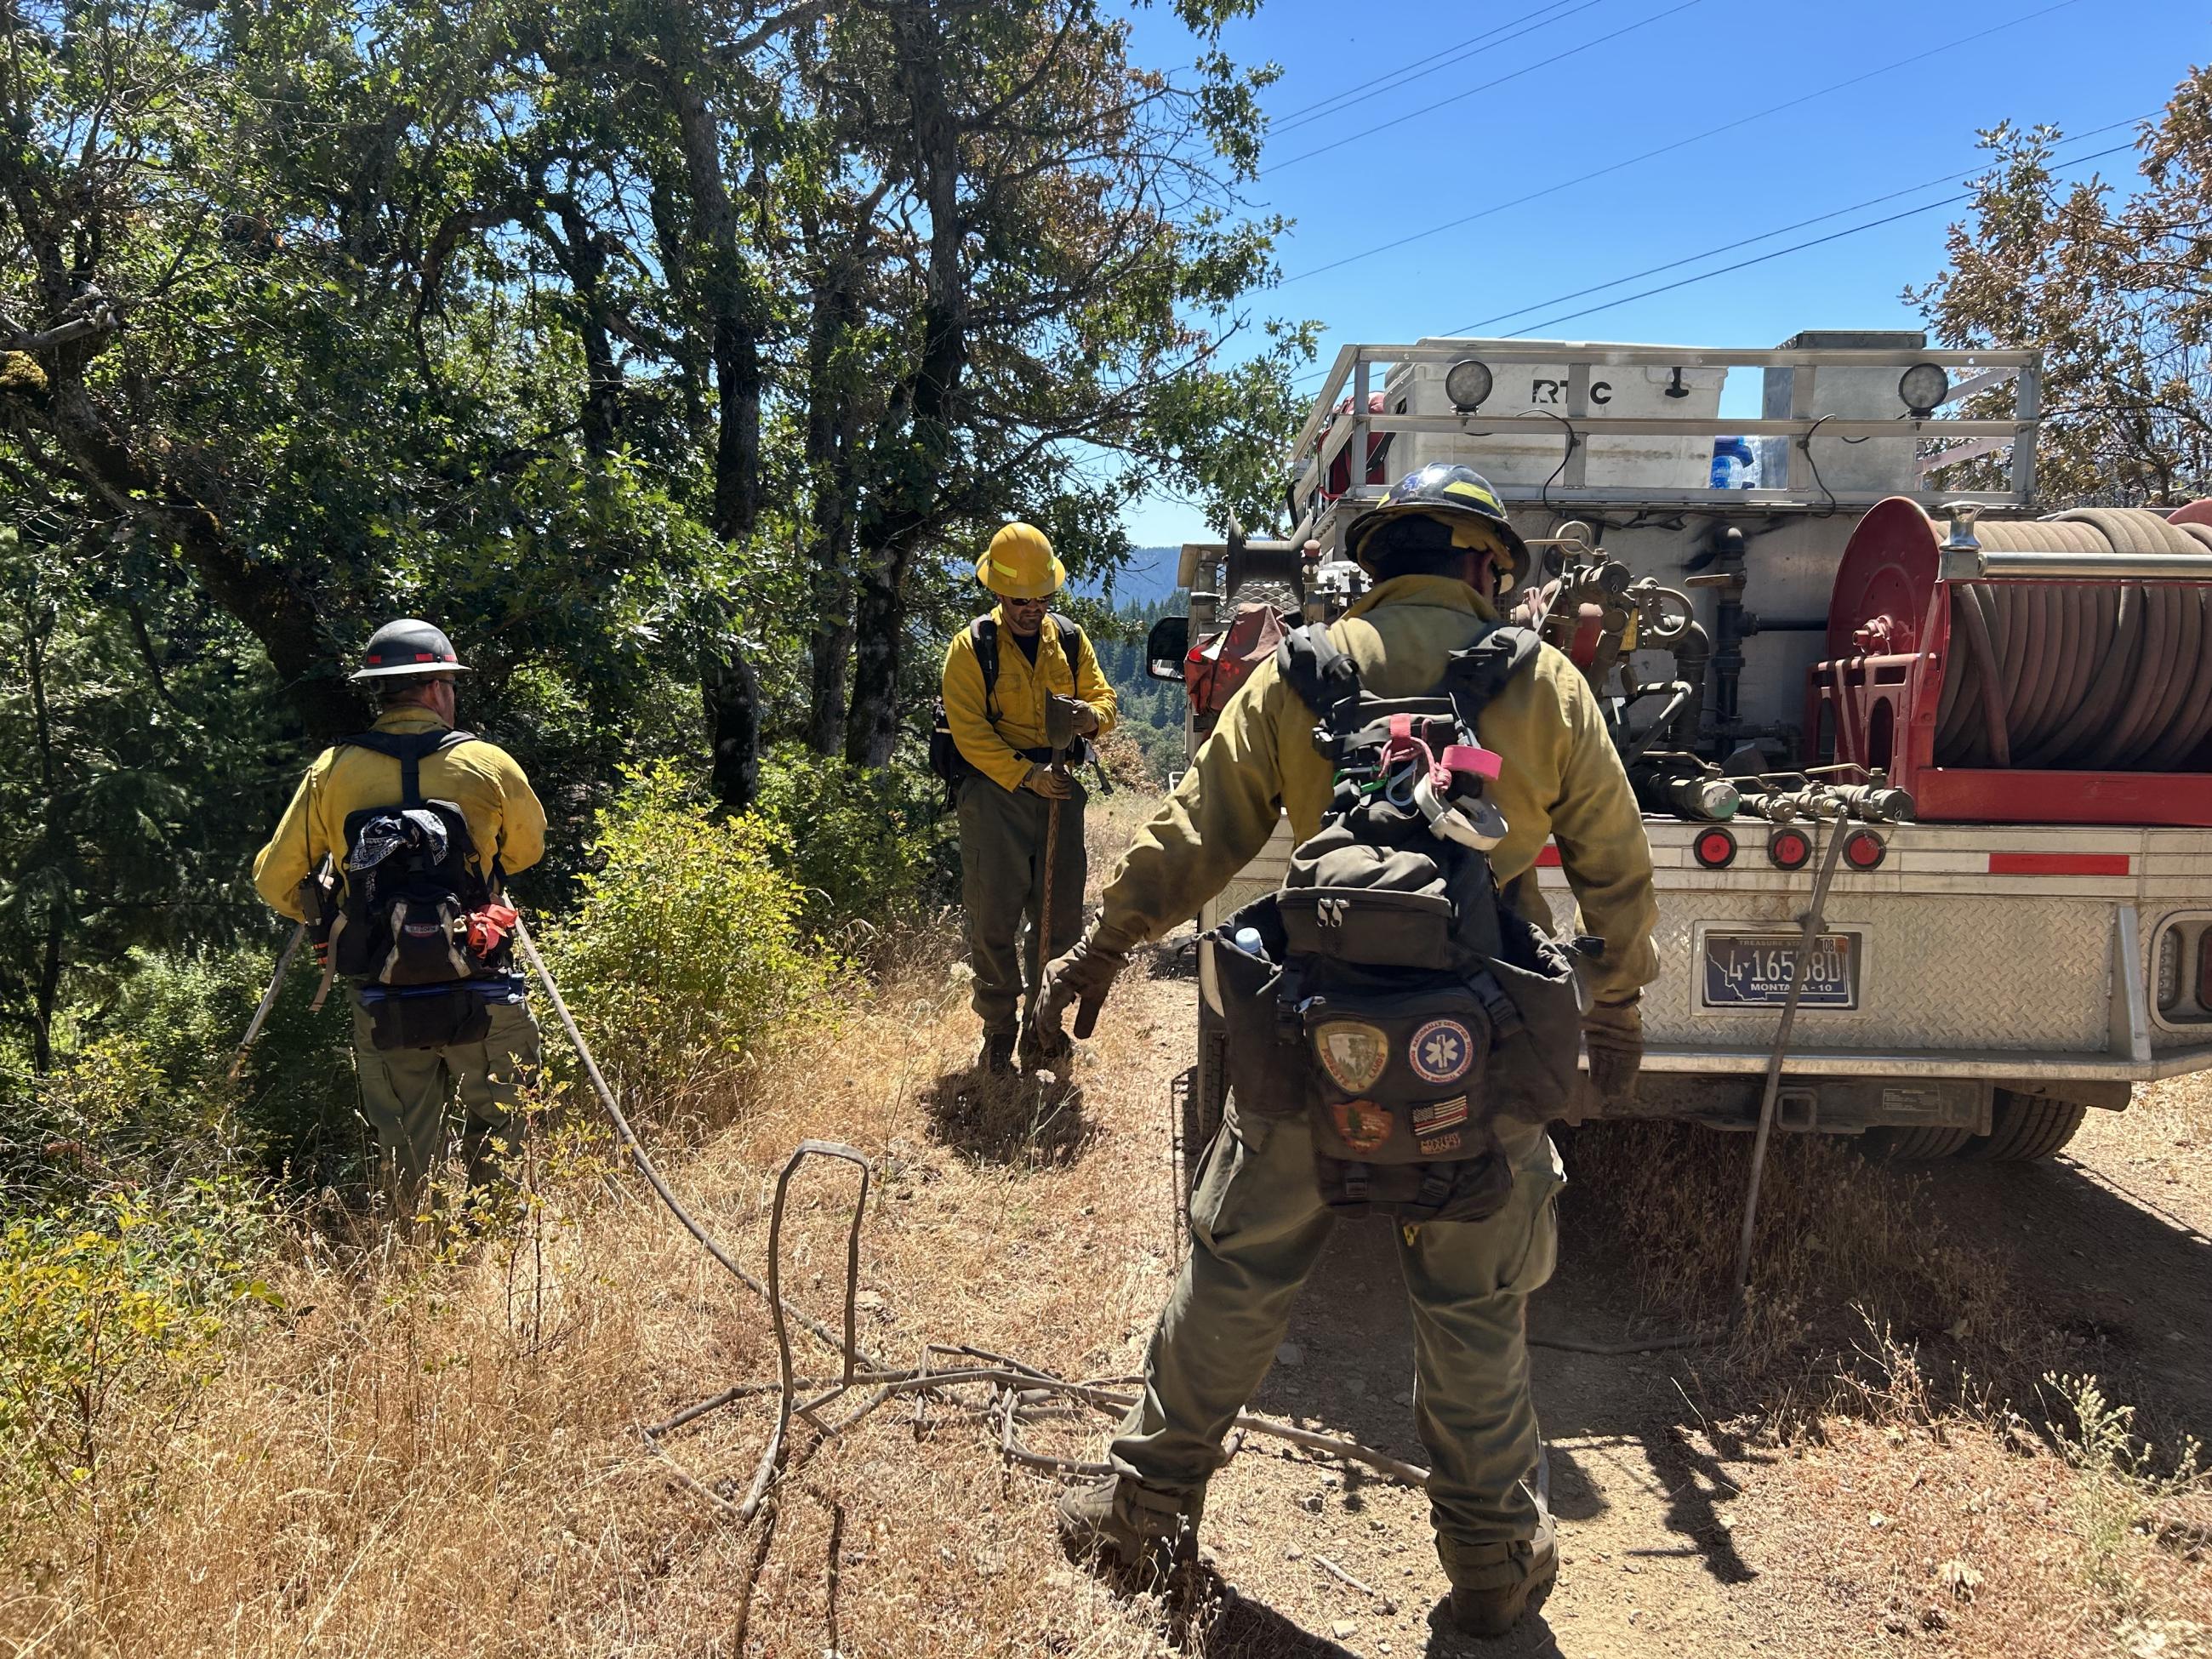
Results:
1021 564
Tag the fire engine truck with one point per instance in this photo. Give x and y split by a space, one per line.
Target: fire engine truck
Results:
2005 712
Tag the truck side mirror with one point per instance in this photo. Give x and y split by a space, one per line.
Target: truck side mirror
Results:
1165 648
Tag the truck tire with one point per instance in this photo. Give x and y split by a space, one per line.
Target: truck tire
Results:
2024 1127
1915 1146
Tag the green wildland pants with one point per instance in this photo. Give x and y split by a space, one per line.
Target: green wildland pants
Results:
407 1095
1257 1227
1002 871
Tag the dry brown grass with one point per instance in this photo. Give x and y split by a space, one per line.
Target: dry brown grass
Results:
441 1457
1841 1239
2160 1148
1935 1529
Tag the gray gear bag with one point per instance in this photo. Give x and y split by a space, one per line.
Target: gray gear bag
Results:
1393 995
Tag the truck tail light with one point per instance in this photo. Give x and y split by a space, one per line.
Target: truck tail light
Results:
1714 848
1865 850
2204 970
2167 990
1789 850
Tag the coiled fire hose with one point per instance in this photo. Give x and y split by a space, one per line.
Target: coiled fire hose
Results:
2053 675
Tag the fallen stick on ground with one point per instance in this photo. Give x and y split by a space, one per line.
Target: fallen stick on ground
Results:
1335 1571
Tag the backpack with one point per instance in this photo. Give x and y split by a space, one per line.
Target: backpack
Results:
946 762
1387 988
419 928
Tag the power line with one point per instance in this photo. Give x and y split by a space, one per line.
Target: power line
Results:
1795 247
1421 68
1780 230
1322 373
1461 97
1679 143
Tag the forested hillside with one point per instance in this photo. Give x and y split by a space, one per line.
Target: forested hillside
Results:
1151 711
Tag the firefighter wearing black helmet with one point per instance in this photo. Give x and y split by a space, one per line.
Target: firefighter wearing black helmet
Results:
1442 552
459 1026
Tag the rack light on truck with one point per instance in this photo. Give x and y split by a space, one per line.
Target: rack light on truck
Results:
1467 383
1922 387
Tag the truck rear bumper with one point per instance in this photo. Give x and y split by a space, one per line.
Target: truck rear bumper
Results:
2002 1063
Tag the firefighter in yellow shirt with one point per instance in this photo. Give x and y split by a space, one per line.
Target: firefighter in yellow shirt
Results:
461 1025
1015 681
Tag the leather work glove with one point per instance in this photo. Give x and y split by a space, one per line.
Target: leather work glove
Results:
1613 1032
1081 716
1052 786
1082 977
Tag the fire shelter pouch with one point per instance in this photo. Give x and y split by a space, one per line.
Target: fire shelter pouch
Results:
426 1017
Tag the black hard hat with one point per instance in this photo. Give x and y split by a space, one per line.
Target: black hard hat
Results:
407 647
1457 496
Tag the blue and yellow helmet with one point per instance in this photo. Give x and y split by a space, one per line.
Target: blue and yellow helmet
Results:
1458 497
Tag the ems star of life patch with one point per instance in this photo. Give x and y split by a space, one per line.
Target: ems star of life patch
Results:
1364 1125
1354 1054
1439 1114
1442 1051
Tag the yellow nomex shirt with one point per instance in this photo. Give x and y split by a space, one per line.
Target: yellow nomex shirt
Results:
992 748
504 817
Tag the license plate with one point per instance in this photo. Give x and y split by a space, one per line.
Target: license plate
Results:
1753 970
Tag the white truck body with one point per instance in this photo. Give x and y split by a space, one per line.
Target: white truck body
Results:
2057 960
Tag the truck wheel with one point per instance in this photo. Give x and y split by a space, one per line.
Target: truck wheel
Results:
2024 1127
1915 1146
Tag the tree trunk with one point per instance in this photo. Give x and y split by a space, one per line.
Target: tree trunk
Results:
732 698
879 617
585 261
831 423
831 648
913 496
727 289
737 440
46 999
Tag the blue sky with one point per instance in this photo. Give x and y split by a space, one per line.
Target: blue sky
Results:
1673 68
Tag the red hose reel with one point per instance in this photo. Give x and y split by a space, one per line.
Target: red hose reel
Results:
2056 671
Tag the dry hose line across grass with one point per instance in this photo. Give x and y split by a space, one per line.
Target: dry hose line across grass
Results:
1018 1390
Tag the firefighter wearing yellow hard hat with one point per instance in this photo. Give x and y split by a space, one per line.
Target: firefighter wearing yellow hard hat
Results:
1023 695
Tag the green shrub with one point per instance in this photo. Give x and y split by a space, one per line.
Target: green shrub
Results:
129 1236
864 845
295 1103
688 953
115 1304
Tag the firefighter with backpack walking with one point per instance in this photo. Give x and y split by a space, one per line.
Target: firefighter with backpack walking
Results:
418 823
1023 695
1398 1034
